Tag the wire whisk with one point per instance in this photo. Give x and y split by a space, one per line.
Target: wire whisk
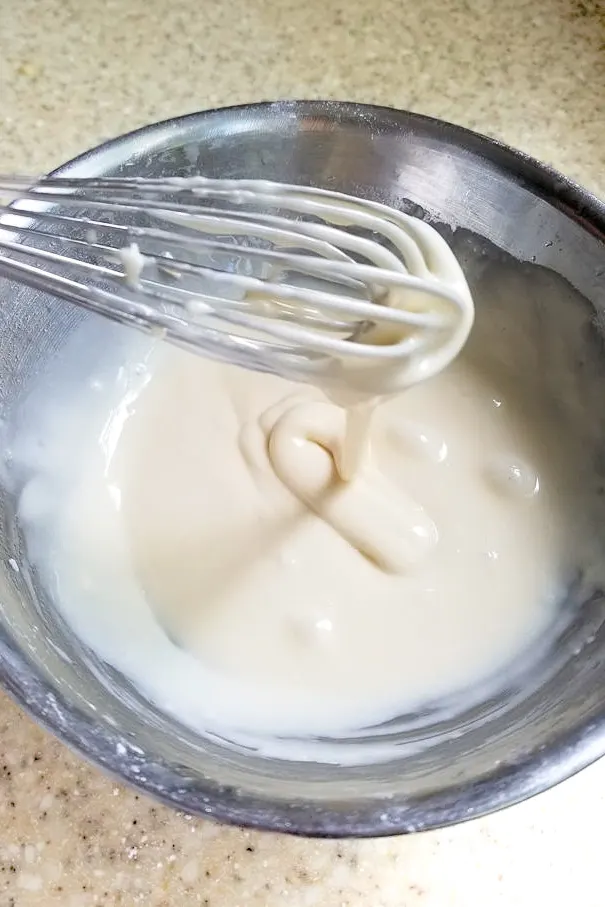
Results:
314 285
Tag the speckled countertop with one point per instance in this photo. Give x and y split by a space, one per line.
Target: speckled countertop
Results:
74 72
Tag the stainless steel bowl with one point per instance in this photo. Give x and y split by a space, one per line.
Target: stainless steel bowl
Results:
532 245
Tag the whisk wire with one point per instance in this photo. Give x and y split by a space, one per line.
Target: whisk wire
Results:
281 278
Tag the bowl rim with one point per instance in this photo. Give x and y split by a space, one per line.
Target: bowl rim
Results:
533 773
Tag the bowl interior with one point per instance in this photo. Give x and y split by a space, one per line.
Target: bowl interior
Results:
532 247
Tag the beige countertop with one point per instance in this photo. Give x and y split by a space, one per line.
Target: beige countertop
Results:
74 72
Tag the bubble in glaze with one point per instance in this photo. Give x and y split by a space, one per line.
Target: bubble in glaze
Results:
420 441
513 477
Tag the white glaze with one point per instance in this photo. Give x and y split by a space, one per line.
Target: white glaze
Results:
233 544
191 515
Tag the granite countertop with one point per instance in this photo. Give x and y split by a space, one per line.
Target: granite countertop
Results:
73 73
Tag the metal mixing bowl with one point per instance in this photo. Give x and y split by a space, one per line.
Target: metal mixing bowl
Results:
532 245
